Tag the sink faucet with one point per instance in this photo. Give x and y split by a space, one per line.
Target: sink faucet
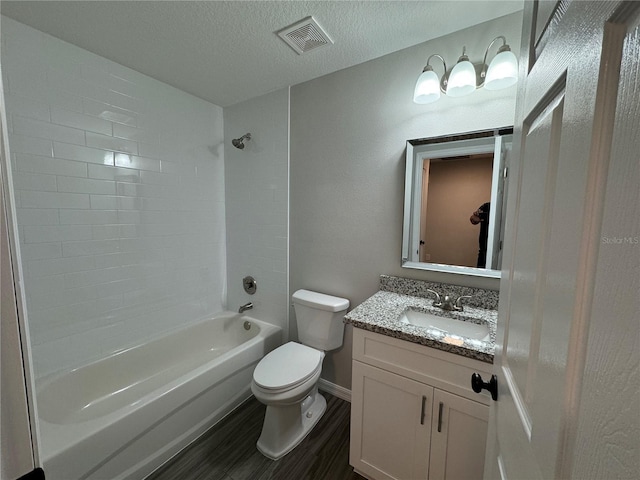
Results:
447 302
245 307
458 306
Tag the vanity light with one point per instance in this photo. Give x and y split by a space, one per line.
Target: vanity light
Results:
462 79
465 77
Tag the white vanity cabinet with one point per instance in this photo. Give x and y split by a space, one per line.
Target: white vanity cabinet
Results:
413 413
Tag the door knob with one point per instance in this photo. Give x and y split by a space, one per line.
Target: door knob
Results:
478 385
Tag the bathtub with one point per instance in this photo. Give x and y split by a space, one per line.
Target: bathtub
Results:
123 416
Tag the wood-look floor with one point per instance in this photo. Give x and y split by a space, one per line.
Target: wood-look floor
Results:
228 450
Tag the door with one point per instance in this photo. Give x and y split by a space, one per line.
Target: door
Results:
565 127
390 424
458 436
498 192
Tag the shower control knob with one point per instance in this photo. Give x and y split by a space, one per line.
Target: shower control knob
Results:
491 386
249 284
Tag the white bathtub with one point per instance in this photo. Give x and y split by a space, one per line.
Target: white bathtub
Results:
124 415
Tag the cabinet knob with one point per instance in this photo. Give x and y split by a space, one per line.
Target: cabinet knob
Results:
478 385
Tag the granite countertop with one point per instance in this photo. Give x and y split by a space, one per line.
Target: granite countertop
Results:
380 314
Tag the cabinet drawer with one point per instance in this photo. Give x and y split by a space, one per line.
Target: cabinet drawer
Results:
440 369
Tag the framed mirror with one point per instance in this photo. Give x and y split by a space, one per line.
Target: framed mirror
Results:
453 203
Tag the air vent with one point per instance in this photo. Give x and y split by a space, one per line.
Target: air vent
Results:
305 35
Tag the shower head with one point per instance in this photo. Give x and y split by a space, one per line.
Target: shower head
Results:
238 142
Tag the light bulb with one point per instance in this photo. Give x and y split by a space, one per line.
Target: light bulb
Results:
427 87
462 79
502 72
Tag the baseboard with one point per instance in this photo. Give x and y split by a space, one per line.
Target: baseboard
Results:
335 390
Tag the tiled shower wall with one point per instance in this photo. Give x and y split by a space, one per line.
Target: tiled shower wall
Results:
119 189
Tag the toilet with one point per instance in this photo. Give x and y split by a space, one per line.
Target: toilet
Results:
286 379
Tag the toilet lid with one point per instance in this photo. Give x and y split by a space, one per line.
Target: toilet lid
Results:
287 366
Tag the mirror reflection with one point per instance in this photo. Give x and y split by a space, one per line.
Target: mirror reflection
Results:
453 202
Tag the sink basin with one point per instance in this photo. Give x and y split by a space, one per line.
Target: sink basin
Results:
446 325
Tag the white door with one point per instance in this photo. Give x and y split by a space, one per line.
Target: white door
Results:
559 367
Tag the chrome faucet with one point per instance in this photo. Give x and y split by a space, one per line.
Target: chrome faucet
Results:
447 302
458 306
245 307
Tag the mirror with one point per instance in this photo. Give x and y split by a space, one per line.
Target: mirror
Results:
453 205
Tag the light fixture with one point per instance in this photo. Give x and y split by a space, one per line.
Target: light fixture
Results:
465 77
462 79
428 85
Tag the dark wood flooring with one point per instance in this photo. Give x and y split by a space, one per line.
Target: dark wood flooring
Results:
228 450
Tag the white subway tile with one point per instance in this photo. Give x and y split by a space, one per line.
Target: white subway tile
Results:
57 266
118 287
27 107
81 121
106 172
38 251
53 200
38 128
109 202
135 134
176 168
129 217
87 217
56 233
128 189
82 154
34 181
66 297
140 163
104 202
117 259
83 113
30 145
109 112
105 232
86 185
91 247
110 143
37 286
73 84
158 178
94 277
153 151
161 204
37 216
21 81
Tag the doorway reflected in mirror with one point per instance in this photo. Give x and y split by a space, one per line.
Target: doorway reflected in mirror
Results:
453 212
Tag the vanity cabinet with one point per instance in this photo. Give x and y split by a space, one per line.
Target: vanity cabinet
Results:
413 413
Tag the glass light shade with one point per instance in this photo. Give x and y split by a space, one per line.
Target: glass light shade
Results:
427 88
462 79
502 72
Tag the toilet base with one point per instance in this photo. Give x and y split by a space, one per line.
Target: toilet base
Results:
285 426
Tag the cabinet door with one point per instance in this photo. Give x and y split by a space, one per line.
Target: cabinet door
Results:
458 437
390 424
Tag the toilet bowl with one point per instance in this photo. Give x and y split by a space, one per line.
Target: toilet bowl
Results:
286 379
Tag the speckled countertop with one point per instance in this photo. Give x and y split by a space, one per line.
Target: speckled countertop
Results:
380 314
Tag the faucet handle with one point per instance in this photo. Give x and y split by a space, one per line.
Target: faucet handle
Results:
458 306
437 302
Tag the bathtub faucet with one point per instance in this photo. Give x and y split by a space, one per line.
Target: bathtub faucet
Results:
245 307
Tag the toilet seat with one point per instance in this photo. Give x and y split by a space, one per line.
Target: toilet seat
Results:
287 367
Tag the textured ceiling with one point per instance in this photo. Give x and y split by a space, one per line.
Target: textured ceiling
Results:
227 51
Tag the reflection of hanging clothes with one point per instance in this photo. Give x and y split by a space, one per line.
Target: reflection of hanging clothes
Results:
481 216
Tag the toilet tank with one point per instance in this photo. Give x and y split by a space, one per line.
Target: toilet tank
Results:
319 318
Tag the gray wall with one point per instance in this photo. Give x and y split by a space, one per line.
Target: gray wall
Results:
348 134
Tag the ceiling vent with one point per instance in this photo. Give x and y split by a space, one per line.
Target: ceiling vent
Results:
305 36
